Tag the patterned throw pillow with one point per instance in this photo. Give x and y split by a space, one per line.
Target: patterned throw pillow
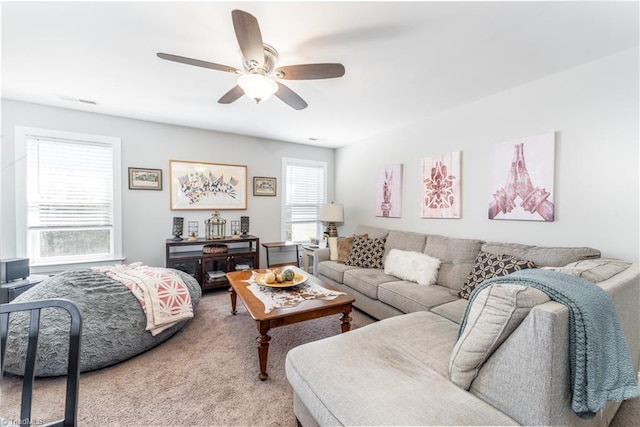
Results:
366 253
491 265
344 247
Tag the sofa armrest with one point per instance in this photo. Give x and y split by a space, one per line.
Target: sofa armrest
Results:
532 365
527 377
624 290
319 255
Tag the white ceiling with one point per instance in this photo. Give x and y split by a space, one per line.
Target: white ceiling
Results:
404 60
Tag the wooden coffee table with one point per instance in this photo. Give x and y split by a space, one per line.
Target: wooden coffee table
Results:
306 310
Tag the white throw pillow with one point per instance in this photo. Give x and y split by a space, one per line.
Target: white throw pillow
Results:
413 266
496 312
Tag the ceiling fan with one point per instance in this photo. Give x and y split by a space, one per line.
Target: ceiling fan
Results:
260 79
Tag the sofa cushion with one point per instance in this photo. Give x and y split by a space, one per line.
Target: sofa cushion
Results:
366 253
372 232
404 241
496 312
410 297
391 372
333 270
542 256
367 280
490 265
413 266
457 258
594 270
453 310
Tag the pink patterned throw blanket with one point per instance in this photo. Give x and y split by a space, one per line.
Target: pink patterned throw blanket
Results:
163 295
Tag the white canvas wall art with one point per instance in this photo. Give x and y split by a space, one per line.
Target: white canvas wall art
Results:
441 186
523 179
389 191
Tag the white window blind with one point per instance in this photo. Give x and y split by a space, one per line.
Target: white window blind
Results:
305 192
70 200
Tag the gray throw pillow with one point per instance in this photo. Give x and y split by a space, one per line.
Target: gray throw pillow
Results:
496 312
593 270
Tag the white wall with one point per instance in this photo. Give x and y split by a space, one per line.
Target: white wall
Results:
593 109
147 219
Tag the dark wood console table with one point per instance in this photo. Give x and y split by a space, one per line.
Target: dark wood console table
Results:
210 268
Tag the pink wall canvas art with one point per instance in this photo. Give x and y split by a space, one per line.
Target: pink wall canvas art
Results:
523 178
441 183
389 192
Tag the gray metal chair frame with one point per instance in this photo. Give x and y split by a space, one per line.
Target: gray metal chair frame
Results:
73 372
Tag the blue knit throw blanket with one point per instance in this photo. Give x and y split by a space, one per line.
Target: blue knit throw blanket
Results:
601 367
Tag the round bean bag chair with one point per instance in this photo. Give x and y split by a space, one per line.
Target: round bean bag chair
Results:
113 323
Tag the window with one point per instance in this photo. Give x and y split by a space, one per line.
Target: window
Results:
71 196
305 183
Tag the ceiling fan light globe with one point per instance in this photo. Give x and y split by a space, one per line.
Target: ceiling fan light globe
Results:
257 87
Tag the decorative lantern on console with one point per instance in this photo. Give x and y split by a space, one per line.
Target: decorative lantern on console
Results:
178 228
215 226
235 229
244 226
193 230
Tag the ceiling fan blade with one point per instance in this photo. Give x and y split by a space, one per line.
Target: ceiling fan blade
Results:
231 96
249 37
290 98
197 63
311 71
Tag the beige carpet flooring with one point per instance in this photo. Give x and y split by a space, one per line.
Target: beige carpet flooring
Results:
206 375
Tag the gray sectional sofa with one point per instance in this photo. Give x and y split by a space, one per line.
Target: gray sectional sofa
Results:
397 371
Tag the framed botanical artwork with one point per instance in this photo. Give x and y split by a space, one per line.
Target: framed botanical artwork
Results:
441 180
145 179
389 191
523 178
264 186
207 186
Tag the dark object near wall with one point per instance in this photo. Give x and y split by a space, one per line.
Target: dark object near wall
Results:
9 291
178 228
14 269
244 225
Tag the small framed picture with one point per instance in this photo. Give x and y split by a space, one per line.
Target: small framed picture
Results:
145 179
263 186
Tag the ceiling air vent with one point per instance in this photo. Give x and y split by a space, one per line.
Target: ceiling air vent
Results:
73 99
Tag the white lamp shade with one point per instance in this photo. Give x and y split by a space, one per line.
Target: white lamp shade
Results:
257 87
332 213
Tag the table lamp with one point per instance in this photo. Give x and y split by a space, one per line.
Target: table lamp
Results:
332 213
